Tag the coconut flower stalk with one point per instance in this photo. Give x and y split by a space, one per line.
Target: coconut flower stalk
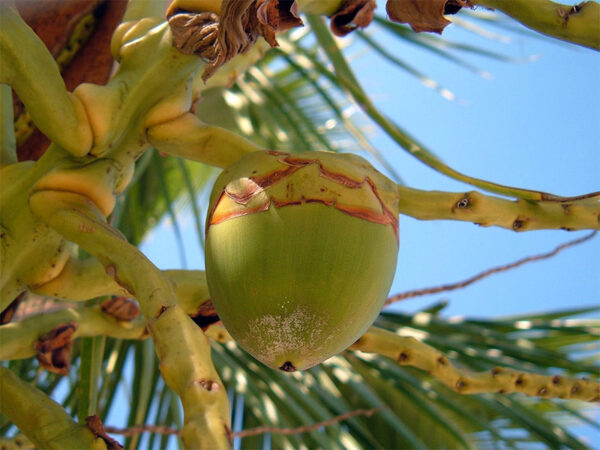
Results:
51 427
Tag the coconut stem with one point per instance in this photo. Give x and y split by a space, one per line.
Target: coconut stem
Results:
41 419
19 338
188 137
29 68
485 210
181 346
407 350
579 24
82 280
17 442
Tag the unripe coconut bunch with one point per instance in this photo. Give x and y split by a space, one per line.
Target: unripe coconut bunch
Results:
300 253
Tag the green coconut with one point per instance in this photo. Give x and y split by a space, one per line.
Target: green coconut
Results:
300 253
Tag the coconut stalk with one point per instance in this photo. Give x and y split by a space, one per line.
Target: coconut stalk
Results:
20 337
579 23
406 350
18 442
35 77
182 348
81 280
116 318
41 419
487 210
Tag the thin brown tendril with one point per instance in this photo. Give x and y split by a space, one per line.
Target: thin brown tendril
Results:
160 429
498 269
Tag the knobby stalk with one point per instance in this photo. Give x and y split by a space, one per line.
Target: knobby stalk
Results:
43 420
407 350
579 24
486 210
18 442
81 280
19 338
182 348
43 89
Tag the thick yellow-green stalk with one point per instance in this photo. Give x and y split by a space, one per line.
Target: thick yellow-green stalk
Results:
579 23
42 90
43 420
182 348
300 253
407 350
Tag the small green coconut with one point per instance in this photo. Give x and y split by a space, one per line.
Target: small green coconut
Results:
300 253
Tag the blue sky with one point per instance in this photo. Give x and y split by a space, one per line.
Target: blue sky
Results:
535 124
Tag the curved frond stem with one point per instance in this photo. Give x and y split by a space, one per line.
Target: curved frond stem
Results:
188 137
41 419
440 46
344 78
406 350
190 372
17 442
82 280
424 79
486 273
137 429
579 213
196 214
578 24
19 338
306 68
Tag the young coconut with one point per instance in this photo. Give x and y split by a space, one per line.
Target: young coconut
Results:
300 253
